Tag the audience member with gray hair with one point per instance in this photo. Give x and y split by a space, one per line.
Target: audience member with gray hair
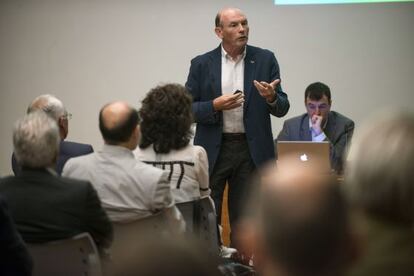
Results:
380 188
47 207
56 110
36 141
297 223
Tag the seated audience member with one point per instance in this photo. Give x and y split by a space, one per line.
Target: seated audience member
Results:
54 107
380 189
167 116
129 189
165 135
297 223
15 260
45 206
320 124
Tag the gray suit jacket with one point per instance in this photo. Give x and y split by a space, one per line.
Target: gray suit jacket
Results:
129 189
338 131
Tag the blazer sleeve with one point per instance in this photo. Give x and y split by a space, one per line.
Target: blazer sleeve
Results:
162 196
340 146
282 105
284 134
197 84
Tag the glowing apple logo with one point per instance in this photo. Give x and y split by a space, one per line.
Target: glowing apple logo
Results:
304 157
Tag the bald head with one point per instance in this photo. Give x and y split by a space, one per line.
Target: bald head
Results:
226 11
118 123
301 219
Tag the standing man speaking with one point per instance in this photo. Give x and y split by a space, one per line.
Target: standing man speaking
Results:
235 88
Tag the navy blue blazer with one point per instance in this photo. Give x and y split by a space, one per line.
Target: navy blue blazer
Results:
339 130
67 150
204 84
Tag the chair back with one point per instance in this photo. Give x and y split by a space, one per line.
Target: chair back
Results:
127 236
191 214
70 257
208 226
201 221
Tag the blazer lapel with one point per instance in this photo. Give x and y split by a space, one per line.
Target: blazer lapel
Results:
215 71
249 69
330 129
305 134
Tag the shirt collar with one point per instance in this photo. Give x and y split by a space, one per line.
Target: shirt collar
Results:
228 57
116 150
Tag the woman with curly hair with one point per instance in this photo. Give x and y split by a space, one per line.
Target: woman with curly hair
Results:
165 141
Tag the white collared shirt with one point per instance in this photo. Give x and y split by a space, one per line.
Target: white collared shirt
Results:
232 79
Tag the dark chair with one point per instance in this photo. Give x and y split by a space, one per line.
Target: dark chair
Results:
207 228
191 214
200 219
70 257
128 236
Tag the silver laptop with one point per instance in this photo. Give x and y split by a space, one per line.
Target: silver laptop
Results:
305 152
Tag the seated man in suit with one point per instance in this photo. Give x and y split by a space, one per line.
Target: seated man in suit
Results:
129 189
320 124
45 206
54 107
14 256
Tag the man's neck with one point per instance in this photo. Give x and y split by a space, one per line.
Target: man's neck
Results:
233 52
126 145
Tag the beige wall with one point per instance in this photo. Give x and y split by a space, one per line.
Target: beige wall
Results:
90 52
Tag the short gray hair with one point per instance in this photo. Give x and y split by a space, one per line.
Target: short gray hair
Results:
36 140
380 174
49 104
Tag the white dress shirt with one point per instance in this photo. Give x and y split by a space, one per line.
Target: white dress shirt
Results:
232 79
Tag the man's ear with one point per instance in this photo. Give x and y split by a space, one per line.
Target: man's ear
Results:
219 32
60 122
63 128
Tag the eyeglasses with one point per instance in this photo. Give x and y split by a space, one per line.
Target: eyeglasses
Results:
67 116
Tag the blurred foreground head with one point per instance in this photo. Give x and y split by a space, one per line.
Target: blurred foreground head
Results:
165 256
299 226
380 174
